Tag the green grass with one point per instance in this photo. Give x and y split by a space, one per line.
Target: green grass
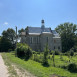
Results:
40 71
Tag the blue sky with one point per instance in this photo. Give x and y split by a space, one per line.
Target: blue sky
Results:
22 13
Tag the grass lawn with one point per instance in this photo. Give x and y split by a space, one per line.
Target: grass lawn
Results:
40 71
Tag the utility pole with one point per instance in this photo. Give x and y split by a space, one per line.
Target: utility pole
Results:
16 36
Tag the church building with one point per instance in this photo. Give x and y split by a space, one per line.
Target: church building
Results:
38 37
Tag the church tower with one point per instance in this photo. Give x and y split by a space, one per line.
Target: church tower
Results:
42 26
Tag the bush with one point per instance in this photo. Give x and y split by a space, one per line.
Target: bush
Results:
33 52
20 52
23 51
72 67
28 54
71 52
38 52
57 52
66 53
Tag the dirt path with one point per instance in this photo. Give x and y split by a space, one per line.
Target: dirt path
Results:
22 73
3 69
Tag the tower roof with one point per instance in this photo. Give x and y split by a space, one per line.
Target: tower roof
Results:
42 21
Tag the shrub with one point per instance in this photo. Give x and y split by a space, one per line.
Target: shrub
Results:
38 52
36 58
28 54
23 51
57 52
51 53
74 48
20 52
66 53
72 67
33 52
71 52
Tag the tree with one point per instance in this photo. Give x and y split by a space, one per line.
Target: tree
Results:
5 44
45 60
9 34
53 58
21 30
67 33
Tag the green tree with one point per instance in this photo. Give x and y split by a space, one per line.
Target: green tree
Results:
53 58
21 30
45 60
5 44
67 33
9 34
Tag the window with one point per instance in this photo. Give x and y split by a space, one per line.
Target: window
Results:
54 41
31 40
37 40
47 39
54 47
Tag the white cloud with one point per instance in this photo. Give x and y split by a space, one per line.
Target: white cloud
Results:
5 23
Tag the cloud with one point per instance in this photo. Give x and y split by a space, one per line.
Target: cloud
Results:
5 23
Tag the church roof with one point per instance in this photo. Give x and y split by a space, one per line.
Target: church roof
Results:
39 30
54 32
34 30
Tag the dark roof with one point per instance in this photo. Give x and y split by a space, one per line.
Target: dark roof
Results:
34 29
54 32
38 30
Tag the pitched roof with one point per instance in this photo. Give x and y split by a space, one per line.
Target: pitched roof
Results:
54 32
38 30
34 29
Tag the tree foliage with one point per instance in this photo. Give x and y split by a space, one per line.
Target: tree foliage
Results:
46 51
67 33
5 44
23 51
9 34
72 67
21 30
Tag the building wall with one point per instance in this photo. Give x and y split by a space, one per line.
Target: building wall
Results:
38 42
46 39
57 44
33 41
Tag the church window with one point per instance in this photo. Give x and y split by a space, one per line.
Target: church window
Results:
47 39
54 41
31 40
37 40
54 47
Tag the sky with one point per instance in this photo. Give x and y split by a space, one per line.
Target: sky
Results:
23 13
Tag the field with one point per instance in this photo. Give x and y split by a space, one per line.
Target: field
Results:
39 70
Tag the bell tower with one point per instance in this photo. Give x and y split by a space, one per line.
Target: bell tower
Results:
42 26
